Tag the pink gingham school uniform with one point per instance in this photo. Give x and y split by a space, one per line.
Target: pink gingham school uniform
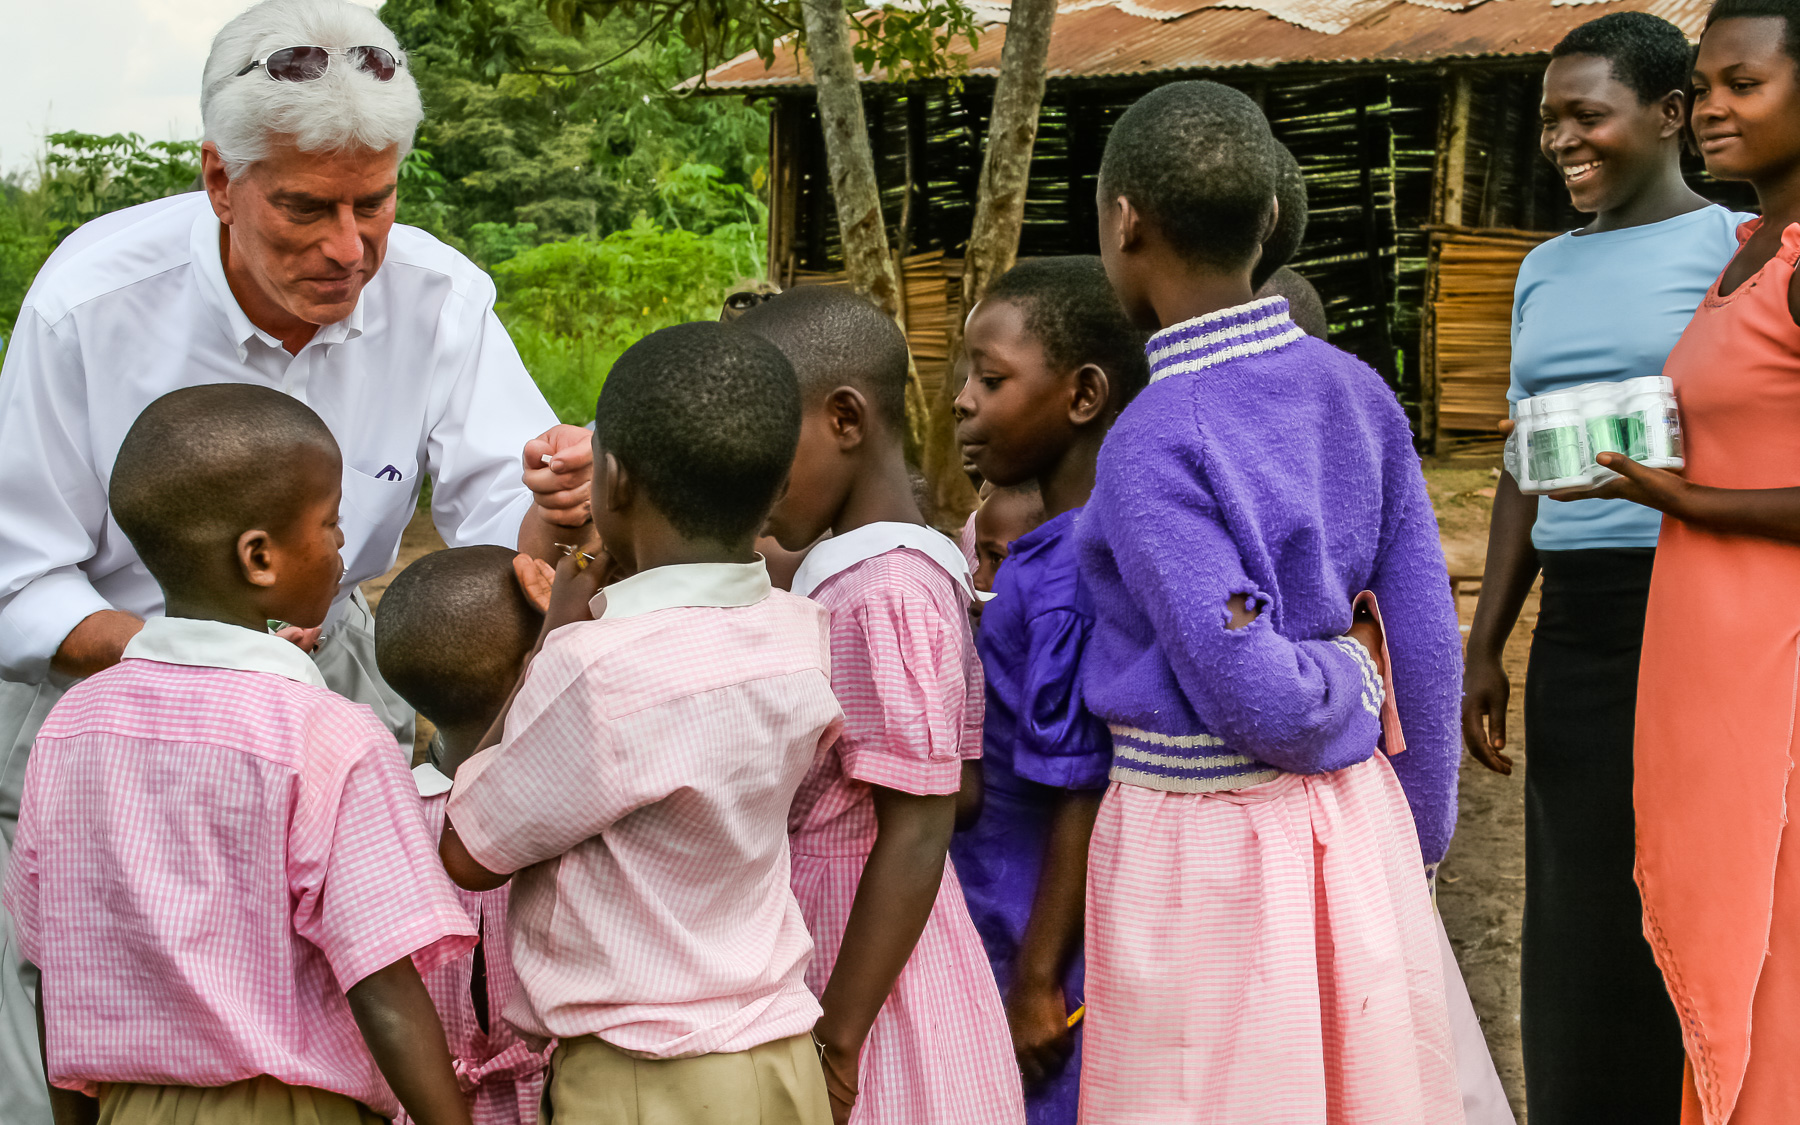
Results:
1282 934
904 666
500 1073
212 848
641 793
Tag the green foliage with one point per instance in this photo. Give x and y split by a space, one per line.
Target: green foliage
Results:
573 306
897 39
579 141
81 176
25 241
915 45
86 176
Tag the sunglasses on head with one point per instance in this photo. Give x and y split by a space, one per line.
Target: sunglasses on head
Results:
305 64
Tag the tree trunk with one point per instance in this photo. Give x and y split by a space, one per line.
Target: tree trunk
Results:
999 214
848 157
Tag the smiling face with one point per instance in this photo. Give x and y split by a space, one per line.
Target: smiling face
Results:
305 231
1747 101
1013 412
1607 144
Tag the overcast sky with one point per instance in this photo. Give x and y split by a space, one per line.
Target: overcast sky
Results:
103 66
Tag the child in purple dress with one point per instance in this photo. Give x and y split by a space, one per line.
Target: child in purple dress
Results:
1054 361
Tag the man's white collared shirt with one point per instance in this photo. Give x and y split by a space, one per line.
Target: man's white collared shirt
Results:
419 381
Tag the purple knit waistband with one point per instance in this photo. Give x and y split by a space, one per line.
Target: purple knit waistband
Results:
1206 341
1195 763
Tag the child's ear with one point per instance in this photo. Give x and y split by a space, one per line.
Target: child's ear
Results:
1130 231
1274 220
256 557
615 485
1093 391
847 413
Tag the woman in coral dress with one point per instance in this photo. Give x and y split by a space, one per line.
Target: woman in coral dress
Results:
1717 864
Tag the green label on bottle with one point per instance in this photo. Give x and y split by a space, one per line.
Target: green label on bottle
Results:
1554 453
1637 435
1606 434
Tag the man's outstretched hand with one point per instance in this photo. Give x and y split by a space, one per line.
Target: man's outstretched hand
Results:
559 466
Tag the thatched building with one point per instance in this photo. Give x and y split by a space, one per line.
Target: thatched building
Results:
1415 122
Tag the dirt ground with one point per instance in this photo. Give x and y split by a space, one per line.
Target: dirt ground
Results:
1481 884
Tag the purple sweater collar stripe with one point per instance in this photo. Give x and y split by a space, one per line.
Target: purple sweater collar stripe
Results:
1206 341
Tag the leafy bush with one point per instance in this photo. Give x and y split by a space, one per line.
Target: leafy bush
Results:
82 176
25 241
86 176
573 307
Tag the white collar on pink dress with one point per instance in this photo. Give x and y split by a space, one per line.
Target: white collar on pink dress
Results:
430 780
833 556
216 644
720 585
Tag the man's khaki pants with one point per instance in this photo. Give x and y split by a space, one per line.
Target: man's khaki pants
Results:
346 658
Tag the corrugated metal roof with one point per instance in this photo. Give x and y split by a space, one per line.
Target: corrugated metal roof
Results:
1117 38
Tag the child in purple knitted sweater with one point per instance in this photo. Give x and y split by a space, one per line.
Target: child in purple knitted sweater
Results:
1260 941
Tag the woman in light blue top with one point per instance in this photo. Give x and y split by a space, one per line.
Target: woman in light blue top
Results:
1604 303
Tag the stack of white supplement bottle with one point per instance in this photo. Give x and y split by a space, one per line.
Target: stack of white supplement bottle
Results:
1557 436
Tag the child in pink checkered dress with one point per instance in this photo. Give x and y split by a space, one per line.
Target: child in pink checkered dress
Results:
221 866
913 1032
451 634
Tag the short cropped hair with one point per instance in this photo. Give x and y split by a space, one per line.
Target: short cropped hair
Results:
1074 315
1198 160
344 108
706 417
835 338
1290 218
201 466
1649 55
451 634
1786 10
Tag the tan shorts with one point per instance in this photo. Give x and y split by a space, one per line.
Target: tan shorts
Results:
779 1083
254 1101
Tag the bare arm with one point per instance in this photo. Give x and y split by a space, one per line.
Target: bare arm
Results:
464 869
1765 513
1511 568
96 643
969 798
400 1025
1037 1012
893 901
67 1107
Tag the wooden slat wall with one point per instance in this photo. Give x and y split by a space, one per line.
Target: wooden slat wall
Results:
1471 294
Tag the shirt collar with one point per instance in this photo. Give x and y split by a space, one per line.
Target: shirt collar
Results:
712 585
1207 341
841 552
430 780
215 644
209 267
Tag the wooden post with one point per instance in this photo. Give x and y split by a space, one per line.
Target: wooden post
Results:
784 185
1448 189
1450 184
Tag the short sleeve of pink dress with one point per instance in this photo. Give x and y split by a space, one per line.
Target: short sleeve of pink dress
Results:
1718 863
904 668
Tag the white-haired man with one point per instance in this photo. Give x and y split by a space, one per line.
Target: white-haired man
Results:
287 272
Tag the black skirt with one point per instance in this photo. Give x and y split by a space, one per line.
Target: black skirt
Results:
1602 1043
